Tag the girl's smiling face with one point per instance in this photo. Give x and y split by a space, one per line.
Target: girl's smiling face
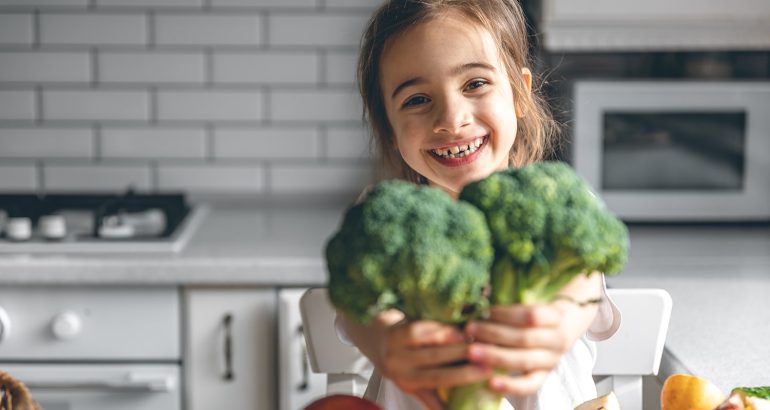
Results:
449 101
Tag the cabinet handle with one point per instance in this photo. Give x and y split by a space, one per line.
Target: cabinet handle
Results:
227 324
304 383
131 382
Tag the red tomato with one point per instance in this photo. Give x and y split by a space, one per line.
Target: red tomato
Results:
342 401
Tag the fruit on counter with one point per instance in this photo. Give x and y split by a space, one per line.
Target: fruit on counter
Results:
687 392
342 401
747 398
607 402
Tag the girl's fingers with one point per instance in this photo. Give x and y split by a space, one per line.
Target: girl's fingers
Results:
429 399
445 377
431 356
426 333
519 385
526 315
523 360
504 335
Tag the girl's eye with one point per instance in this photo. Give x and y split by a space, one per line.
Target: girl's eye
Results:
416 100
477 84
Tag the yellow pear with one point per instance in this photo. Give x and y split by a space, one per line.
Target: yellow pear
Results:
686 392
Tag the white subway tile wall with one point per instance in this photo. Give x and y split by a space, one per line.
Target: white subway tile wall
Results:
220 96
16 29
17 104
18 177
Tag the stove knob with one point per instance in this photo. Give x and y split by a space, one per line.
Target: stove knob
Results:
52 226
19 229
66 325
5 325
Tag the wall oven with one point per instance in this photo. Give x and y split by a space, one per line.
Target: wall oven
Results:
93 348
675 151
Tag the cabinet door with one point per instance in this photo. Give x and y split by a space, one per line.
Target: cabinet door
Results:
298 384
230 348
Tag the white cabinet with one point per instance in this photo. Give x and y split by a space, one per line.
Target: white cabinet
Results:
570 25
230 354
298 384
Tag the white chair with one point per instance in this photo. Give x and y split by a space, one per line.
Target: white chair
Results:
632 352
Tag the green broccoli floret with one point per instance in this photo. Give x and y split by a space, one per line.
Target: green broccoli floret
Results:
760 392
547 227
410 248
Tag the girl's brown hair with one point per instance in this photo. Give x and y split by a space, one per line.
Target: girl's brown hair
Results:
505 20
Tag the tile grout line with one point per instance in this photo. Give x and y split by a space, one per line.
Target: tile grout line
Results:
267 111
265 32
93 54
39 110
323 141
39 177
209 153
153 106
36 29
150 30
208 66
323 61
154 175
98 143
267 178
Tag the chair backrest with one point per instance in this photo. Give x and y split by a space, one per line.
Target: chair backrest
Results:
346 368
633 351
637 345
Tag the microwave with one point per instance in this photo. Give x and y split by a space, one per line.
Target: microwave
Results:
675 151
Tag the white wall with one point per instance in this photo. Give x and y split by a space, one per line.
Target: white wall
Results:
237 96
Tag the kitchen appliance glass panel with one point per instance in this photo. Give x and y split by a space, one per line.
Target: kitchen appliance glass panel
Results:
673 150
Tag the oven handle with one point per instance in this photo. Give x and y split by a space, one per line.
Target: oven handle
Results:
134 381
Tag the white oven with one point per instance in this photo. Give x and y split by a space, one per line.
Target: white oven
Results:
93 348
675 151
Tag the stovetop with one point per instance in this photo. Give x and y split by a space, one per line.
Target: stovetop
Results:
123 222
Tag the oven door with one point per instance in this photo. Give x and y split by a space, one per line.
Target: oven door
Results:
99 387
675 151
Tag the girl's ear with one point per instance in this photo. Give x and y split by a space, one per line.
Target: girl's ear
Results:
526 79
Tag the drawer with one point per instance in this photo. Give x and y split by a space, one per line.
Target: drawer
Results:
90 323
101 386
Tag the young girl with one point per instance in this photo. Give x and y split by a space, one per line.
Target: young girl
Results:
449 99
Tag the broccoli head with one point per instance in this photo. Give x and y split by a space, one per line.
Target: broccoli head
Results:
547 227
411 248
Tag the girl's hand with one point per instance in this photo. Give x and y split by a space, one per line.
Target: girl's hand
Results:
418 357
526 340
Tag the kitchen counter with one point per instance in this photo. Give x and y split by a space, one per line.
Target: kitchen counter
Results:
719 280
275 245
718 277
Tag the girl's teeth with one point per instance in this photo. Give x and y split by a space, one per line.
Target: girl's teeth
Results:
459 151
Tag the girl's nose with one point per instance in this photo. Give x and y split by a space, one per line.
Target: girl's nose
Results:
452 117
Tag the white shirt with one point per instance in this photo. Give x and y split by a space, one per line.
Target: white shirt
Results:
568 385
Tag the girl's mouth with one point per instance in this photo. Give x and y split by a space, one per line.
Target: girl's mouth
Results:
461 154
